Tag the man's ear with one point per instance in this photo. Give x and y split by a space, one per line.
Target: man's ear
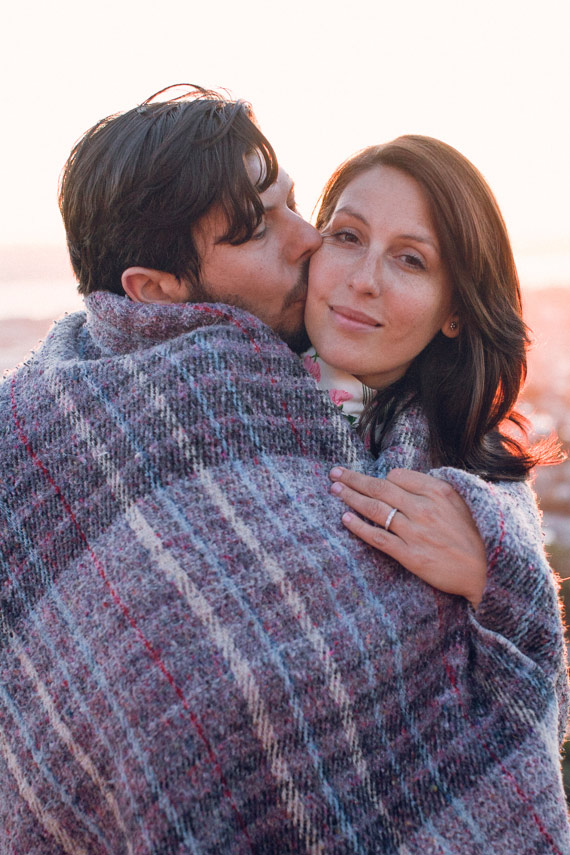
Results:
145 285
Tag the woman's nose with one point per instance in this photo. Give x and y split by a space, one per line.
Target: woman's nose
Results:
365 277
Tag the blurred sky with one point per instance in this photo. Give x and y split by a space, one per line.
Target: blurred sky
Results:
325 78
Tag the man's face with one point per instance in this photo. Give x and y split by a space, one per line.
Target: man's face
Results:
267 275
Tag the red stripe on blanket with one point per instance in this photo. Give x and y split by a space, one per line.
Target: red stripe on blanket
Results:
153 653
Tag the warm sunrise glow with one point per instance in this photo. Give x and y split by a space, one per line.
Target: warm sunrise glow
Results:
325 78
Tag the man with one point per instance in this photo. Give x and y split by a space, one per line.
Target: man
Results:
196 657
210 220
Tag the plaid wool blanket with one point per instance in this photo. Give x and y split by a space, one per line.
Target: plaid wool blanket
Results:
198 659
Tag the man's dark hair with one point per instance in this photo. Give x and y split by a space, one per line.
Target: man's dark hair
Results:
136 183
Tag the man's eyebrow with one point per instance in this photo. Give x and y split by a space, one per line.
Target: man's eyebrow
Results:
290 198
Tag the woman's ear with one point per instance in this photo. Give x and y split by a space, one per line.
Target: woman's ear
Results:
451 326
145 285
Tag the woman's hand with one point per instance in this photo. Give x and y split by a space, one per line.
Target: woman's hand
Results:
431 533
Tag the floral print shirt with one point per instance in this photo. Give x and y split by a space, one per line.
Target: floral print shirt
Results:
344 390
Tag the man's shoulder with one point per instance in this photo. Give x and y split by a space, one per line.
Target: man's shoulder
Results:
212 374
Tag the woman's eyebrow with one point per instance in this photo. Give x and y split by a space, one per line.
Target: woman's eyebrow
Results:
421 239
346 209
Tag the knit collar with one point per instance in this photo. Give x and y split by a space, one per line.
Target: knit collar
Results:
344 389
406 443
118 325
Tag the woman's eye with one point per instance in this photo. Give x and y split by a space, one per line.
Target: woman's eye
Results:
342 236
261 230
413 261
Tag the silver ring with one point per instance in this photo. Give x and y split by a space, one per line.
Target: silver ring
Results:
389 518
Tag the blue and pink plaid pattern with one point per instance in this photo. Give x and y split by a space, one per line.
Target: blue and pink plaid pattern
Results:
197 658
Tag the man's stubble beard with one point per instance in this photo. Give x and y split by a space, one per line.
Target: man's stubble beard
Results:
297 338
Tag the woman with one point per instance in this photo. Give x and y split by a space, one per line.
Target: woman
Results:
414 305
414 313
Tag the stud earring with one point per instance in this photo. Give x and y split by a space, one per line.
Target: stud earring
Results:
453 325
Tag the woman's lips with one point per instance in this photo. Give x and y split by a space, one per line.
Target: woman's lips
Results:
351 319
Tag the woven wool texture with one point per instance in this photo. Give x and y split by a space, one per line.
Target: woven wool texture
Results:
198 659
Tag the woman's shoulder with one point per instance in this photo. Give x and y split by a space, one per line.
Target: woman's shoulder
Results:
405 443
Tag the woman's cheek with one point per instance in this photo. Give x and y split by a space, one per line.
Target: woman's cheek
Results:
322 274
314 317
309 308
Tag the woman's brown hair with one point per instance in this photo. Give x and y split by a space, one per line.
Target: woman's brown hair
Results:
467 385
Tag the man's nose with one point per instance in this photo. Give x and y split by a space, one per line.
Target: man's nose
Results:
307 239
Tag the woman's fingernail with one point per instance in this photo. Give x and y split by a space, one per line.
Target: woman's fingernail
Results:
336 472
346 518
336 488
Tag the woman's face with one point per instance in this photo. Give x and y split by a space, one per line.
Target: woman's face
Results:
378 287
